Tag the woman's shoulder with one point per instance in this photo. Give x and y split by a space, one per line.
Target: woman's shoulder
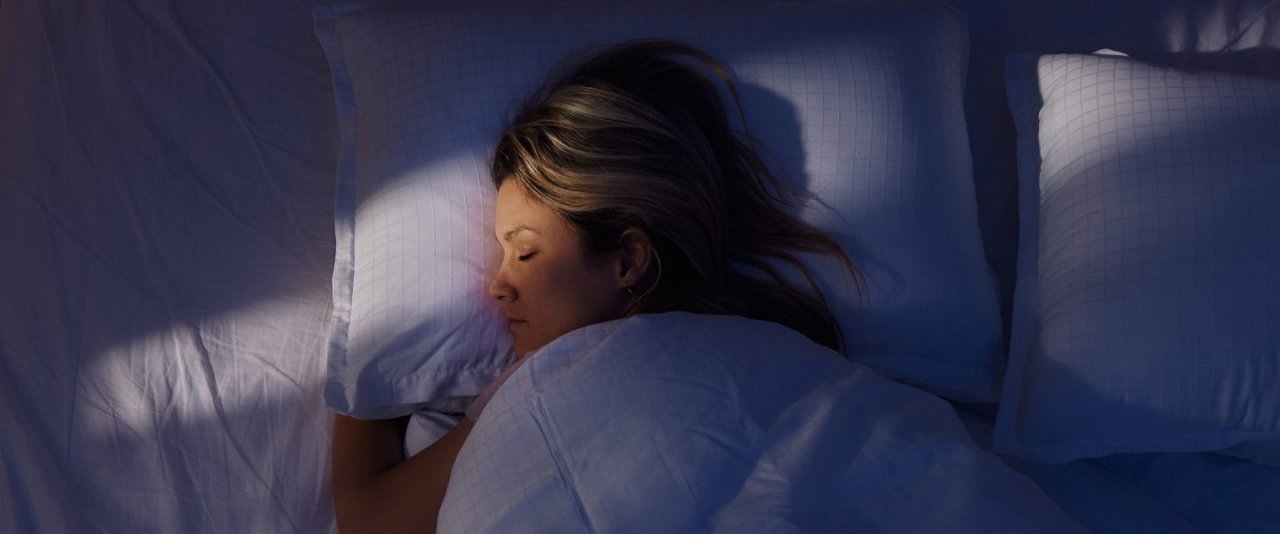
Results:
682 338
654 364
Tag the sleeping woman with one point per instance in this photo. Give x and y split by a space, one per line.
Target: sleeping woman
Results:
628 209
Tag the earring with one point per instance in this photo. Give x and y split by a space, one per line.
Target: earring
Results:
630 291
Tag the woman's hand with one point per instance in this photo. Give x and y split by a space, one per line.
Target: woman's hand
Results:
375 489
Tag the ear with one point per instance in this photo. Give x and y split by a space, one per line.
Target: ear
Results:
634 257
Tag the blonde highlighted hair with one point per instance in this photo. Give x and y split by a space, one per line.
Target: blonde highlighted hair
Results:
637 136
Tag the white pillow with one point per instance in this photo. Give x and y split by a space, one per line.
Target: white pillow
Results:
1147 310
861 106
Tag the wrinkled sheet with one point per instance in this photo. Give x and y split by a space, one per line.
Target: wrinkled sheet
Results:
166 243
679 422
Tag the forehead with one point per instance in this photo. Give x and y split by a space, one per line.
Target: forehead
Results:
517 208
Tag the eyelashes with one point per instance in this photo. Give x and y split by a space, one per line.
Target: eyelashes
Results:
526 256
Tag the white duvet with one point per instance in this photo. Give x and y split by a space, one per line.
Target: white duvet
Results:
682 422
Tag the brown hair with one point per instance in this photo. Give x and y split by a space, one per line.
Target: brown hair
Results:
636 136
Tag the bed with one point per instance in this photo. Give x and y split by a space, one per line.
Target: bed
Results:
213 237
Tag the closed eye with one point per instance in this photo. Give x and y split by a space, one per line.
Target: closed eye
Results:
525 257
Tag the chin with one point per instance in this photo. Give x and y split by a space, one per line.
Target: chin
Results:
523 349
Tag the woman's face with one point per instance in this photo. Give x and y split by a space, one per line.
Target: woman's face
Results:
548 284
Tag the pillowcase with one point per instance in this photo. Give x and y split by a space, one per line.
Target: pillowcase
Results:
860 106
1147 310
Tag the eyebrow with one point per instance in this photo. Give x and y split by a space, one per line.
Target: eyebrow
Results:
521 228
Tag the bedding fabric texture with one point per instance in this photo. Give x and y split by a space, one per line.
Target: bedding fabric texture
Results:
166 242
1146 315
1163 492
861 107
1153 492
1241 36
166 238
692 423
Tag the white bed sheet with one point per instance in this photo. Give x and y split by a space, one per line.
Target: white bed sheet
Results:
679 422
166 245
166 242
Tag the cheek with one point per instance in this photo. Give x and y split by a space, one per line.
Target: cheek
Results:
573 295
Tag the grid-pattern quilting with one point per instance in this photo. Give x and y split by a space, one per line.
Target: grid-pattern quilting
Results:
861 107
614 415
1158 266
744 426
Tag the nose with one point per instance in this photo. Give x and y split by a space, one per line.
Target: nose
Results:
500 289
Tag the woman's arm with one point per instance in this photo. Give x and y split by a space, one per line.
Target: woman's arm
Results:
376 490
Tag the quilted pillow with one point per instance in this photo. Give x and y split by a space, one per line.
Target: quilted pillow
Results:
1147 309
860 106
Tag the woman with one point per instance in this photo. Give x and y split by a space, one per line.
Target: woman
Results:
622 189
